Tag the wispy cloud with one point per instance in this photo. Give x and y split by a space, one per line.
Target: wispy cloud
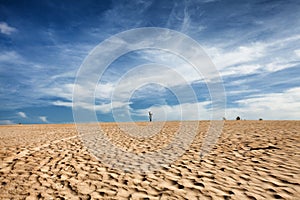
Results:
240 55
6 29
281 105
297 52
43 119
10 57
22 114
101 107
256 57
6 122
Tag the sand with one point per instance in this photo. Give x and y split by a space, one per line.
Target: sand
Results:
252 160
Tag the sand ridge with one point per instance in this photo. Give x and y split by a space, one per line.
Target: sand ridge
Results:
252 160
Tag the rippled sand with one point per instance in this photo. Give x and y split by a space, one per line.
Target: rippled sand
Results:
252 160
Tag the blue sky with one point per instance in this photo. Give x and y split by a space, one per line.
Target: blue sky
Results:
255 45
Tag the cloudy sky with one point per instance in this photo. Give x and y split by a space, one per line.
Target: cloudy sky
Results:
254 45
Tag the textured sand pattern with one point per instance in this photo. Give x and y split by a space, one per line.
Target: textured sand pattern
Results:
252 160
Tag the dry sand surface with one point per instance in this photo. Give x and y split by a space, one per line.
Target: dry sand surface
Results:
252 160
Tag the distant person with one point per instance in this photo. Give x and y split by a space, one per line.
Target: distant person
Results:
150 116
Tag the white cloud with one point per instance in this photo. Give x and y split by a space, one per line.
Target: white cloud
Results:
106 108
277 66
22 114
241 70
4 122
240 92
64 75
43 119
100 91
103 107
6 29
242 54
104 90
63 91
285 105
175 63
62 103
10 57
180 15
256 57
297 52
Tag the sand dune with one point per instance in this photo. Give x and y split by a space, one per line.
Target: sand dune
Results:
252 160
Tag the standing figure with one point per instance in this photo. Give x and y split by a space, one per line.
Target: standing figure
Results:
150 116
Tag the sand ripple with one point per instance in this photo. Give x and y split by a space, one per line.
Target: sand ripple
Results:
252 160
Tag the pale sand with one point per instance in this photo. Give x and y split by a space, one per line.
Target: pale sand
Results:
252 160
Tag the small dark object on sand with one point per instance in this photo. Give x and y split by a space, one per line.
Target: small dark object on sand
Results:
260 119
238 118
150 116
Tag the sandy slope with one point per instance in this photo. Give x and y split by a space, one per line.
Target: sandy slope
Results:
252 160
